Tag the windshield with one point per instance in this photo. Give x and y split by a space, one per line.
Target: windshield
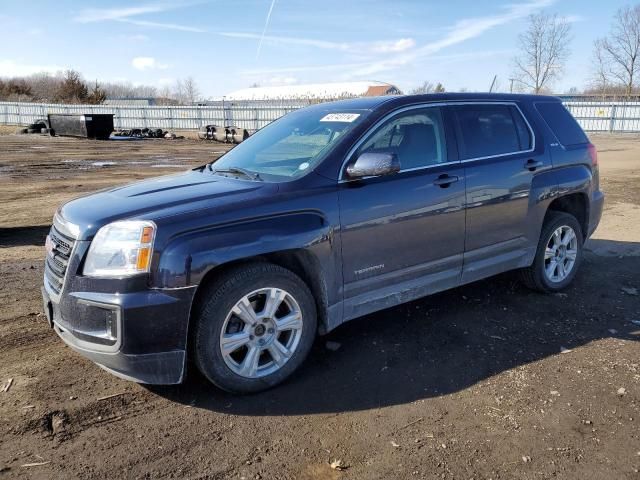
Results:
289 147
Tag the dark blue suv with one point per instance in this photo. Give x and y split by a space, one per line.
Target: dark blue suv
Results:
328 214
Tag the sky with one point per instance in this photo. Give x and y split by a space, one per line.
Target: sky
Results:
228 45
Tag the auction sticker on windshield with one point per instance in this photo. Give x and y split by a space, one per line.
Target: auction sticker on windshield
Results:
340 117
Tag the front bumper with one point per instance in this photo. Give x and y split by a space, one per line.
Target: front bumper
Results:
140 336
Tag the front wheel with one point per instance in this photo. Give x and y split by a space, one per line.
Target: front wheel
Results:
558 255
254 328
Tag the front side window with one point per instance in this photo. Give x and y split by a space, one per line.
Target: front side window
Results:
488 130
291 146
415 136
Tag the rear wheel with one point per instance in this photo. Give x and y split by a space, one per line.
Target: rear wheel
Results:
254 328
558 255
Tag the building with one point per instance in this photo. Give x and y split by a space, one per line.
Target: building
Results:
319 91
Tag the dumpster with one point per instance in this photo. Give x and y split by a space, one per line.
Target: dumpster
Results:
93 125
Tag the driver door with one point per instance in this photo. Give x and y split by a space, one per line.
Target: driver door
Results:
403 234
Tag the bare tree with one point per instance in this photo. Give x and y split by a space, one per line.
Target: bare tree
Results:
544 48
165 97
44 86
72 89
97 96
178 92
427 87
145 91
128 90
186 91
191 91
15 90
622 47
601 68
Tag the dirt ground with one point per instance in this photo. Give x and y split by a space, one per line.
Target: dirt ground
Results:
485 381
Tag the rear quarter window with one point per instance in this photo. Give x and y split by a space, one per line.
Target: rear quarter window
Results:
564 126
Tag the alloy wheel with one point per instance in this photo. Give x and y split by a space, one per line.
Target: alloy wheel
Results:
560 254
261 332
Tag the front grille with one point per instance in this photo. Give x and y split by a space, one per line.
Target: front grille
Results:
57 259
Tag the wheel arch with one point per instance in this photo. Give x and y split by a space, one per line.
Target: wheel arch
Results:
300 261
575 204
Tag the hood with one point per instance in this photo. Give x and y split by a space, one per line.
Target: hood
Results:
158 197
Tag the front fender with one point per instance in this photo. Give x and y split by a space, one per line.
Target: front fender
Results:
187 258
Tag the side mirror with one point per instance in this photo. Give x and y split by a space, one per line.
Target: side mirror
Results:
374 165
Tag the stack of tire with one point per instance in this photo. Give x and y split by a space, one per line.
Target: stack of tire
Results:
40 126
223 134
141 133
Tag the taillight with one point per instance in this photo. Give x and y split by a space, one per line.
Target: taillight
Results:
593 153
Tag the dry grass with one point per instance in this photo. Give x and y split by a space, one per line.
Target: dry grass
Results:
8 129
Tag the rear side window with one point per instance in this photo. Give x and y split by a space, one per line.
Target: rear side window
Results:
489 130
562 123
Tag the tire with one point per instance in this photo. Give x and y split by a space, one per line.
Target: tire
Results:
231 371
219 134
202 133
43 122
537 276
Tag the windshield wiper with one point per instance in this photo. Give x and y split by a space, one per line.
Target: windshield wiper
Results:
238 170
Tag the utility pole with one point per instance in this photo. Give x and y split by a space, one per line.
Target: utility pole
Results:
493 84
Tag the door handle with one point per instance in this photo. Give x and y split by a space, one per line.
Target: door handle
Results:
444 180
532 164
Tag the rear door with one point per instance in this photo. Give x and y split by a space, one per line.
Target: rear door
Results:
497 147
403 234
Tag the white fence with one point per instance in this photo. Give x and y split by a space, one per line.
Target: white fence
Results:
606 116
249 115
593 116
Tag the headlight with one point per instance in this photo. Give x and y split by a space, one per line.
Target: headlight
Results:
121 249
